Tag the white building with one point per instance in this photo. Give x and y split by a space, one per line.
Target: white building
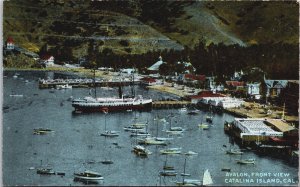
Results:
48 60
253 89
255 127
10 45
128 70
229 102
155 67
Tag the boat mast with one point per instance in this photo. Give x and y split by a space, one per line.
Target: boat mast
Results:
132 85
156 129
95 83
184 170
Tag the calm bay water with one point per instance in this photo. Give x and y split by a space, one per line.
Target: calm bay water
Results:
77 140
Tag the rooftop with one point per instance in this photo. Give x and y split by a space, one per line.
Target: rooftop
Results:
255 126
280 125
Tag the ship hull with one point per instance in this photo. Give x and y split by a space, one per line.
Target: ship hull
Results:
90 109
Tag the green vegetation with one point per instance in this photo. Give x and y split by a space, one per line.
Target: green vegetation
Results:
18 61
233 35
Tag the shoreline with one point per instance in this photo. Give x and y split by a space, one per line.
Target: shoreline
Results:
250 109
70 71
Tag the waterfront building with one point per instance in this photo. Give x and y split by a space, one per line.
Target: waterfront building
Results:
47 60
229 102
258 129
205 96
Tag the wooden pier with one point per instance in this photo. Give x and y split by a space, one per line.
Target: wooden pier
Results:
170 104
82 83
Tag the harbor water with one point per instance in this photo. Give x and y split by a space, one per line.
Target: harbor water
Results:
76 144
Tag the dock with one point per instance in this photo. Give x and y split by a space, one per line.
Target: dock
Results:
170 104
84 83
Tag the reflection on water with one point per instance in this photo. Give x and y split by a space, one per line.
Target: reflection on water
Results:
76 144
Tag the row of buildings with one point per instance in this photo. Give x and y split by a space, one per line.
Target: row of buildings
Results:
286 91
45 60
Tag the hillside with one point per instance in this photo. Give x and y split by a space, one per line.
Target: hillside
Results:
232 22
61 25
135 27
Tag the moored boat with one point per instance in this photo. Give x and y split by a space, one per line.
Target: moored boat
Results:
203 126
41 131
168 173
246 161
45 171
171 151
88 176
151 141
140 133
65 86
110 133
141 151
190 153
97 104
134 129
90 104
234 152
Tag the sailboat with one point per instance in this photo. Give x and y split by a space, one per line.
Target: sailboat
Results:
233 151
45 170
136 127
97 104
167 167
109 133
140 150
153 140
187 182
246 161
174 130
209 117
207 180
202 125
106 161
167 170
142 132
174 150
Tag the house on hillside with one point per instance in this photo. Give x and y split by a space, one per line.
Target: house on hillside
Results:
274 87
205 95
10 45
155 67
290 96
47 60
237 76
188 67
253 90
148 81
235 85
211 84
191 78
